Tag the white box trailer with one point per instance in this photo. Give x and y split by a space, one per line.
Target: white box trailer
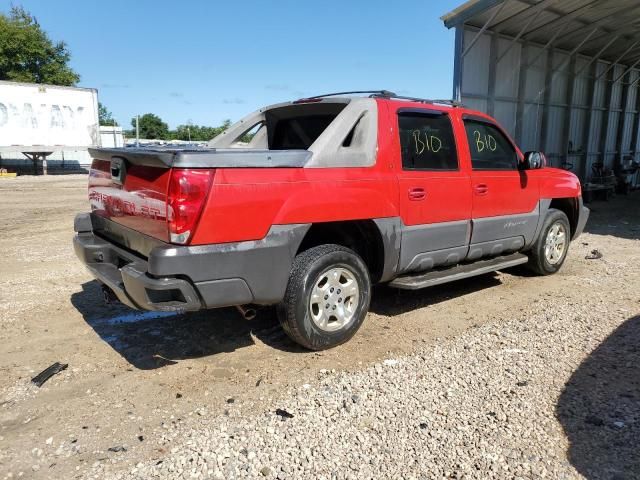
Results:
39 120
111 137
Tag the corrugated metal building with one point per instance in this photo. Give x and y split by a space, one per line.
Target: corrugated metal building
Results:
562 76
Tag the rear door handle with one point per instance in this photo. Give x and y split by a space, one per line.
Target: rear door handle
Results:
417 194
481 189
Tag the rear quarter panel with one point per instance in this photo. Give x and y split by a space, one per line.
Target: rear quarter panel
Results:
244 203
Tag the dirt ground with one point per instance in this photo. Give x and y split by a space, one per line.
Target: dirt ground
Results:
132 375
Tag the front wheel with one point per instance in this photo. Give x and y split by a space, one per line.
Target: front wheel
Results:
550 249
327 297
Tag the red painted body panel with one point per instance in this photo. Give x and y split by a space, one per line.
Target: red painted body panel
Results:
503 193
447 195
139 204
244 203
243 208
557 183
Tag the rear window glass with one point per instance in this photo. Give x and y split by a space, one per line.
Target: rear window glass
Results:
299 132
296 127
427 142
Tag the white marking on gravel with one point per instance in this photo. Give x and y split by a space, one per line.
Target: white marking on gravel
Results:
135 317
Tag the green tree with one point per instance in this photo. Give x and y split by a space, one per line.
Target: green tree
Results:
105 117
151 127
198 133
27 54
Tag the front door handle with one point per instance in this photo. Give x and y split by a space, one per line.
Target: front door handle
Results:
481 189
417 194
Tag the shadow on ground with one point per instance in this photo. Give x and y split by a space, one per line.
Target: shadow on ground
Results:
599 408
619 217
392 301
149 340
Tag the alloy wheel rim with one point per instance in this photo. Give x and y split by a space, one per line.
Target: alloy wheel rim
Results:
555 243
334 299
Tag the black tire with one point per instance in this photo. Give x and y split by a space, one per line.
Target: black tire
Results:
294 312
538 261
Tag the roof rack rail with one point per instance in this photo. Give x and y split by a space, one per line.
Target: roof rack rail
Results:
382 93
386 94
452 103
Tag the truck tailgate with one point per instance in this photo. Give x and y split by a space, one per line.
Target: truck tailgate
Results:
137 201
160 192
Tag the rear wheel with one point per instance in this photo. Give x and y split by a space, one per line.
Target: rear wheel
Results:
327 297
550 249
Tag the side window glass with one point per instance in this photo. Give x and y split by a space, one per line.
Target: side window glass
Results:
490 149
426 141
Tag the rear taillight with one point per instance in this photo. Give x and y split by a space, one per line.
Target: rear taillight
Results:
188 190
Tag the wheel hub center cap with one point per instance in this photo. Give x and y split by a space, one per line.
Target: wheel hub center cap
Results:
555 243
334 299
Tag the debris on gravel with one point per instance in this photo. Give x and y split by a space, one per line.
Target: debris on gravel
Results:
48 372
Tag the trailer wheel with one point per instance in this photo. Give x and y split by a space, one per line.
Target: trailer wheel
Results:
327 297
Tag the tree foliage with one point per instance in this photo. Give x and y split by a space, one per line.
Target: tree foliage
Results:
27 54
198 133
105 117
151 127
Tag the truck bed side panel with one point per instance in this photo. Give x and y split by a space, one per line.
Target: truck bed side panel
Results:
244 203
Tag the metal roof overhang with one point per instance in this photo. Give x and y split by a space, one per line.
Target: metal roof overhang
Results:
602 29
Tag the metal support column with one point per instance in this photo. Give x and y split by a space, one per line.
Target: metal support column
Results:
493 66
586 128
522 85
622 120
606 116
566 125
457 63
635 131
546 99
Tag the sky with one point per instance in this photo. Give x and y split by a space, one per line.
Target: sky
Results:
204 61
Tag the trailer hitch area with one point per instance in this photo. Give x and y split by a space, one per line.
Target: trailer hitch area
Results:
108 295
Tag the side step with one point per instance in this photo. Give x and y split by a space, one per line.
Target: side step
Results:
457 272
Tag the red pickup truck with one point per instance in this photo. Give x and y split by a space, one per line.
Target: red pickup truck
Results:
331 194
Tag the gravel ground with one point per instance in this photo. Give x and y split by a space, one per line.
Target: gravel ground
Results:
489 404
505 375
551 391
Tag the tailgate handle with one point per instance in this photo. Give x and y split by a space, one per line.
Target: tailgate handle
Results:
118 170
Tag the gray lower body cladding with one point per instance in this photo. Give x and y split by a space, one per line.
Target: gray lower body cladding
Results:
192 277
168 277
424 247
583 216
449 243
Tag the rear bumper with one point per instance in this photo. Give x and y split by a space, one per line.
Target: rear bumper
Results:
583 216
130 282
191 278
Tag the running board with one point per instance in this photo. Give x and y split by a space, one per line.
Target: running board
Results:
457 272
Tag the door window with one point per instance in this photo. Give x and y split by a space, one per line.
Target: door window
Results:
490 149
426 141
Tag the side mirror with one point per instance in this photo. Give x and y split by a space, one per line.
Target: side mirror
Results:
533 161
